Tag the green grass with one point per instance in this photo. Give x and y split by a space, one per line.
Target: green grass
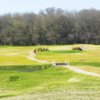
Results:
96 64
51 79
90 56
30 79
62 52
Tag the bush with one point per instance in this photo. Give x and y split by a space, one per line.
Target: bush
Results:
77 48
40 50
13 78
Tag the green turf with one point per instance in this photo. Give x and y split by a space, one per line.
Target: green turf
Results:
51 79
96 64
19 75
62 51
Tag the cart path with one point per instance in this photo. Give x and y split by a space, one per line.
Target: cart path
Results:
31 56
75 69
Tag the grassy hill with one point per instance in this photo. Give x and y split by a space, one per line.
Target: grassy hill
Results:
21 78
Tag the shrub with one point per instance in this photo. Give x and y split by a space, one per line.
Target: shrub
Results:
13 78
40 50
77 48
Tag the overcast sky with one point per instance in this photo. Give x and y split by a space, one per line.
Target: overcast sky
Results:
23 6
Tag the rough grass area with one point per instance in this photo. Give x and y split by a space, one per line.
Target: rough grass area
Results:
15 79
54 82
25 68
59 95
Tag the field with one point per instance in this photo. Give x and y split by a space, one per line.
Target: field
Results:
25 79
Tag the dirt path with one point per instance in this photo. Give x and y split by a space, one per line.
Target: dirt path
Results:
31 56
75 69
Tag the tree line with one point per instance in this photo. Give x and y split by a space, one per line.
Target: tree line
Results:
51 26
